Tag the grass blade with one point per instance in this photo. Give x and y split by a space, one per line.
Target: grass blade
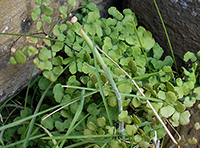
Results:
107 71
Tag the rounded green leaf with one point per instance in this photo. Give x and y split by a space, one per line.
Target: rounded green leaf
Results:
20 57
179 106
47 10
198 53
63 9
144 144
92 17
87 132
58 92
115 13
101 121
44 54
32 50
131 129
170 97
46 18
197 126
56 30
192 141
57 60
72 3
112 100
167 111
57 70
111 130
36 12
189 102
189 56
137 138
125 87
12 60
38 2
91 126
47 123
184 118
136 103
197 92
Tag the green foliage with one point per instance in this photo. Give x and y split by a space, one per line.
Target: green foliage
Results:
67 60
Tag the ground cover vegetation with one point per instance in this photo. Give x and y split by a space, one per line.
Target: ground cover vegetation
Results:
104 83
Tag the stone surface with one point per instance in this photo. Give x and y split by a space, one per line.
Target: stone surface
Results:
15 17
182 20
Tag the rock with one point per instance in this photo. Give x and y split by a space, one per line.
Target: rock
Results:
15 17
182 20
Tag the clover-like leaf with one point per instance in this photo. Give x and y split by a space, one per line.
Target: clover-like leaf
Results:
125 87
189 102
189 56
72 3
197 126
192 141
185 118
131 129
158 51
43 83
32 50
87 132
91 126
136 103
112 100
58 92
56 30
170 97
47 10
20 57
12 60
92 17
197 92
36 12
38 2
138 138
57 70
46 18
92 109
44 54
101 121
167 111
63 9
47 123
115 13
57 60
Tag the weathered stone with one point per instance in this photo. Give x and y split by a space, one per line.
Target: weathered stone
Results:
182 20
15 17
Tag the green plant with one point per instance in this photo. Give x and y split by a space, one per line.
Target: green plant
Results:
88 97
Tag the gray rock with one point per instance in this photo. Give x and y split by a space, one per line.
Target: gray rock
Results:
182 20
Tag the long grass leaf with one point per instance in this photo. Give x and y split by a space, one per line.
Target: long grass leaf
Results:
76 116
166 33
108 73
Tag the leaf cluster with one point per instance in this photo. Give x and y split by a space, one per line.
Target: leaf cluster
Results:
67 60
